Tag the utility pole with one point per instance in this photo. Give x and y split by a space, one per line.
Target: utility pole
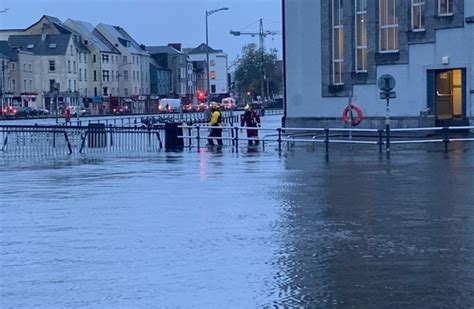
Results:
261 34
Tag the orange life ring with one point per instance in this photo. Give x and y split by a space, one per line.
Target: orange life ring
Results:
347 118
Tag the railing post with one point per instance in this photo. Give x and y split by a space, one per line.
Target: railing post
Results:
236 137
326 140
190 132
387 129
380 142
446 139
279 139
198 137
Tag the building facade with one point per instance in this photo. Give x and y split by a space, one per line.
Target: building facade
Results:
218 64
336 50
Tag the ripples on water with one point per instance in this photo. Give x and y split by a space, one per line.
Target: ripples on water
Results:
240 230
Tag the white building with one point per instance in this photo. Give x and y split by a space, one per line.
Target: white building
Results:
334 49
219 83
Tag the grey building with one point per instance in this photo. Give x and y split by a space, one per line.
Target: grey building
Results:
174 59
335 51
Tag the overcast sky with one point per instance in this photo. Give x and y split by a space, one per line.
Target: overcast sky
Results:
158 22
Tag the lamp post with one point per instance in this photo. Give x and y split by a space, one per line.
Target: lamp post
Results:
208 13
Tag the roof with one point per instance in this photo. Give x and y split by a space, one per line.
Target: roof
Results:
203 49
87 31
162 50
7 51
124 39
34 44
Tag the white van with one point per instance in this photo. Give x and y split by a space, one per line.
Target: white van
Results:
228 103
169 105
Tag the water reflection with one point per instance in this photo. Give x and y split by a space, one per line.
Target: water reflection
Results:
361 234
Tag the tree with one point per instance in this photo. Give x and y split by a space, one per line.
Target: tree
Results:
248 74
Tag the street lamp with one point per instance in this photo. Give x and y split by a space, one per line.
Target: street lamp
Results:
208 13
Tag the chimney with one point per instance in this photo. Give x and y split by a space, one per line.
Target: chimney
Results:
44 31
176 46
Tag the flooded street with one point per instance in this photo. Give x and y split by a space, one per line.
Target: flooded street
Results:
219 229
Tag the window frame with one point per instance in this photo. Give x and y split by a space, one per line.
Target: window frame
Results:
421 5
388 26
357 45
447 6
338 61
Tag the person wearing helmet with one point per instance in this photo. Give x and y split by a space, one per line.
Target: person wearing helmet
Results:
215 123
250 119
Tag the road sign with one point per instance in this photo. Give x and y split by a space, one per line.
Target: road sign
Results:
386 82
388 95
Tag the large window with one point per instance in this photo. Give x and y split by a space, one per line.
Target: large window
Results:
337 43
418 15
388 26
361 35
105 75
445 7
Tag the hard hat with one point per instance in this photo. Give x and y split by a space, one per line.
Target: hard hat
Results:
247 107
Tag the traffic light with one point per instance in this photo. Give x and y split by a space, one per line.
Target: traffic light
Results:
201 96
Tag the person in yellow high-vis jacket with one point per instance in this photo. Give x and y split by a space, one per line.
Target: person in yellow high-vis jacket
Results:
215 123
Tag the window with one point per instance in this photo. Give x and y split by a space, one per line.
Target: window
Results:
13 65
105 58
133 75
105 91
105 75
80 74
125 92
30 46
361 36
213 88
112 75
124 59
29 67
85 74
125 75
213 74
445 7
74 67
69 66
212 63
53 45
24 67
52 66
31 85
13 85
24 85
388 26
94 58
69 84
95 75
418 15
51 85
75 85
72 51
338 42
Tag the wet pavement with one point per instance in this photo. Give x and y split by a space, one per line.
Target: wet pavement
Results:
219 229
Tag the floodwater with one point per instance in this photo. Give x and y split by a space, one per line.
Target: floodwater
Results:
219 229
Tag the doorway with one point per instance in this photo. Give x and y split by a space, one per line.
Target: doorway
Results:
449 97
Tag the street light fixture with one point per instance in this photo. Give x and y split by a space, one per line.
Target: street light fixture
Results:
208 13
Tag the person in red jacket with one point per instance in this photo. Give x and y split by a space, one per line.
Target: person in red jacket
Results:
250 119
67 115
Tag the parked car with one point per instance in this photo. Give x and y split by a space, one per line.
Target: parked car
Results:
201 107
228 103
9 111
169 105
121 110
